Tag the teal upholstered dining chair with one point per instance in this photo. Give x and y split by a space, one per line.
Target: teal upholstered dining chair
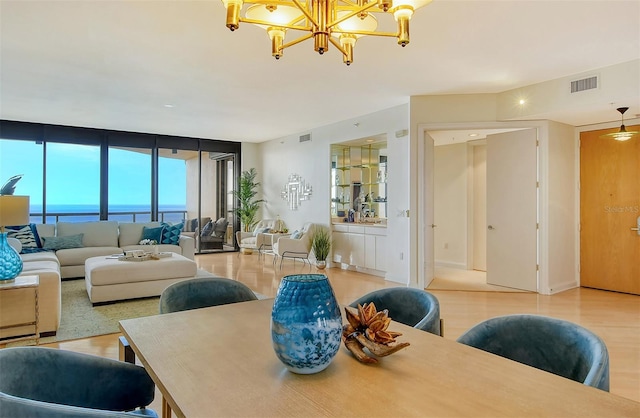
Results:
202 293
554 345
47 382
414 307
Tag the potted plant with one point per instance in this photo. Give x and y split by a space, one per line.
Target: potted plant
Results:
321 246
247 206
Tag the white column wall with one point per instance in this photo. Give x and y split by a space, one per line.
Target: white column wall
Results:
311 160
450 197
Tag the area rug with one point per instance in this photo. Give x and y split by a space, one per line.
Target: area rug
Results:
80 319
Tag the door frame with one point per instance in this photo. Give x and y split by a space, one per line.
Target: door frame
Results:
418 223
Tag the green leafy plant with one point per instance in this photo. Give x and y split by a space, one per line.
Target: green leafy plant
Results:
247 205
321 244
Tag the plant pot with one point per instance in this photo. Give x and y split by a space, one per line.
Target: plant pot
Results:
246 251
321 264
306 324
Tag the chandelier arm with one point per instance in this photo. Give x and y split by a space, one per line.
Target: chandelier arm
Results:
304 10
367 33
274 25
337 45
297 41
352 13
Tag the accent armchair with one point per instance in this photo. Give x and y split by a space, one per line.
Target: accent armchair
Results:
296 247
256 240
553 345
414 307
214 238
47 382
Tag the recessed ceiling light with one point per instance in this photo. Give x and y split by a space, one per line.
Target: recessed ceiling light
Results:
369 140
169 105
522 101
473 135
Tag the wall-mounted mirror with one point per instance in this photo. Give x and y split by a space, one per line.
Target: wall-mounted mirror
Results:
359 171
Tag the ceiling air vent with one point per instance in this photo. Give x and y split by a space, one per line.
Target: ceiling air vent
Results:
584 84
305 138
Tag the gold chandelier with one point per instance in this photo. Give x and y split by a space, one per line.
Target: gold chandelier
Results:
340 22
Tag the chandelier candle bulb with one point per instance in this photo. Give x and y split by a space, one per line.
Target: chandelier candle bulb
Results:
340 22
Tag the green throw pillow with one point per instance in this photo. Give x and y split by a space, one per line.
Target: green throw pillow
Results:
61 243
152 233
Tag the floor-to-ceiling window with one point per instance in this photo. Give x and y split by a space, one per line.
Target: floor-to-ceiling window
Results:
129 184
72 182
83 174
24 158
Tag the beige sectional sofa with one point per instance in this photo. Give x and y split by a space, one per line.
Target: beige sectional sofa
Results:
104 238
100 238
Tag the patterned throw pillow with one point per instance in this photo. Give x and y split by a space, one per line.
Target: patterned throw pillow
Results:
296 234
171 234
26 234
153 233
208 229
62 243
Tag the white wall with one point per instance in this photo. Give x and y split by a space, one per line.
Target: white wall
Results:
557 157
450 207
561 254
251 158
311 160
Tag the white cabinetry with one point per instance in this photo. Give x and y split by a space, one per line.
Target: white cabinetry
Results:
360 246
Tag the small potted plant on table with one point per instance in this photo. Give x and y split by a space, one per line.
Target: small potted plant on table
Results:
321 246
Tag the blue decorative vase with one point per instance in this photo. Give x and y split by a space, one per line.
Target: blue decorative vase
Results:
10 260
306 324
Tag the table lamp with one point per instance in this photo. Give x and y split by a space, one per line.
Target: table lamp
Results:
14 210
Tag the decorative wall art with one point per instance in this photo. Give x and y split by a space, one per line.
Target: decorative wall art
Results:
295 191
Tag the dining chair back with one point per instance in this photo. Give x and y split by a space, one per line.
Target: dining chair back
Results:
47 382
414 307
202 293
554 345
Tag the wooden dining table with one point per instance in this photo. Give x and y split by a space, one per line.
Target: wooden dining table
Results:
219 361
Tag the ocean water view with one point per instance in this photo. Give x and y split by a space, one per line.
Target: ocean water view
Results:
120 213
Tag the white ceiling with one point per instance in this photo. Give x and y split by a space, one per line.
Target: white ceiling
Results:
116 64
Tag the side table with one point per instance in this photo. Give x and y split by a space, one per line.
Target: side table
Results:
15 301
270 239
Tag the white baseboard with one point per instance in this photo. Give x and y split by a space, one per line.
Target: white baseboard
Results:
560 288
450 264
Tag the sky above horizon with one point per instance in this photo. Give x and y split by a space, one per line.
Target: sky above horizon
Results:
73 174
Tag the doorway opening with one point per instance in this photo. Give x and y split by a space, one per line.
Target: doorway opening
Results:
460 232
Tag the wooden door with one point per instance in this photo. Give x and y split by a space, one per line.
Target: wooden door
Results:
512 210
609 208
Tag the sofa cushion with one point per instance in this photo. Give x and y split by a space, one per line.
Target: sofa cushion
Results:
61 243
26 234
96 234
154 233
77 256
40 256
131 232
45 230
171 234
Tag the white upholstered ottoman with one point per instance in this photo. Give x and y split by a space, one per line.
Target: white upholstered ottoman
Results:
108 279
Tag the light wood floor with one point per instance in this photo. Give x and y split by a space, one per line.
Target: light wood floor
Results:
615 317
